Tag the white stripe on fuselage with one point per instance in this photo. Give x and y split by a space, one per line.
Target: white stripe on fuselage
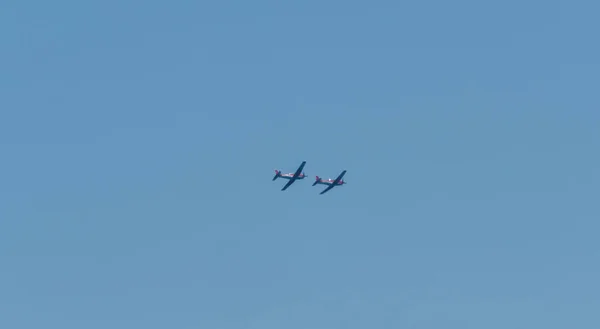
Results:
290 176
323 182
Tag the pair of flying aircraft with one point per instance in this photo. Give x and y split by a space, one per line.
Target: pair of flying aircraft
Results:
299 174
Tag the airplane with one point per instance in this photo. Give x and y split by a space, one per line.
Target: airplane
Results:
331 183
299 174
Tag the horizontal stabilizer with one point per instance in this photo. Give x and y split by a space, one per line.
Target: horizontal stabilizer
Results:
316 181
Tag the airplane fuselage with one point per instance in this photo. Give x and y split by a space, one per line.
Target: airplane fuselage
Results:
290 176
329 182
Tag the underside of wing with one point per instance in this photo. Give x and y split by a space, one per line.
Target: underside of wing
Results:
290 182
339 178
297 173
327 189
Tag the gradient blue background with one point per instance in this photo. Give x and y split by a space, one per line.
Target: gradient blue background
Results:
139 140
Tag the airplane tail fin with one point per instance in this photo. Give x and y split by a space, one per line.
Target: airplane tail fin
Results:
276 174
316 181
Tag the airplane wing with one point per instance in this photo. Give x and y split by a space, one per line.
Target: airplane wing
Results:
327 189
339 178
299 169
290 182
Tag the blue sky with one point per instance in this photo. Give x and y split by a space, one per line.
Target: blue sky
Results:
139 141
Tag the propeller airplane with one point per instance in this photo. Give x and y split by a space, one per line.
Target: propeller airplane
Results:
331 183
291 177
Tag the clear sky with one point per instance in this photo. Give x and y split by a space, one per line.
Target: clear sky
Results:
139 140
